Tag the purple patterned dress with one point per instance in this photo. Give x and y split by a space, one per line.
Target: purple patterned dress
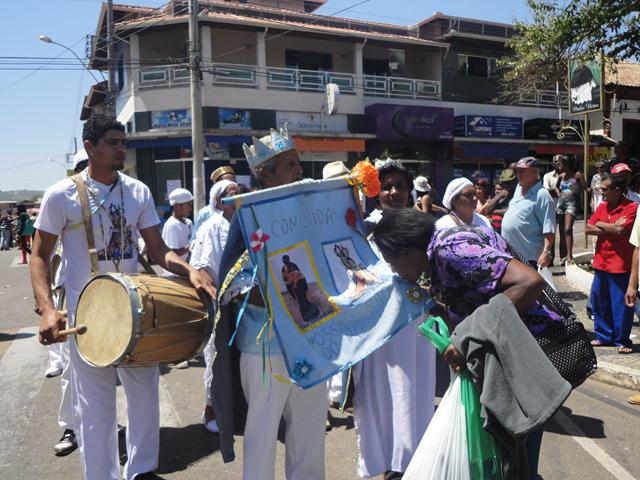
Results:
468 264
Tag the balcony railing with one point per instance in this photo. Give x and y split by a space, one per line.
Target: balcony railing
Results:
164 76
396 87
234 75
545 98
309 80
293 79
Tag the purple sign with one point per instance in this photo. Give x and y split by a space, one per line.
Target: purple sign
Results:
402 122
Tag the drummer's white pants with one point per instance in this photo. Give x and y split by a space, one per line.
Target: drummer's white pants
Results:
305 412
96 420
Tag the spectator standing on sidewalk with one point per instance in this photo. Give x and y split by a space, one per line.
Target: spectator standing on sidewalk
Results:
6 228
611 223
550 182
594 188
624 171
568 188
529 223
25 231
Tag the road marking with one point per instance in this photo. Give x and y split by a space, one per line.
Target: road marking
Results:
169 416
602 457
21 375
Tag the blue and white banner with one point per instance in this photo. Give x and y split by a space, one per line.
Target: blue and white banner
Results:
332 300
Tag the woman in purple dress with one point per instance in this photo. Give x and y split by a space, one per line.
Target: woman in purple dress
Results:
463 268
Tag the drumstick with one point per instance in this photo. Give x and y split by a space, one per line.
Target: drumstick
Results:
77 330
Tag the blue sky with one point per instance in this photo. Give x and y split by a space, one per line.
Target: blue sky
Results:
40 114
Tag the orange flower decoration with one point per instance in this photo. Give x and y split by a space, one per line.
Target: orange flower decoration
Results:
366 177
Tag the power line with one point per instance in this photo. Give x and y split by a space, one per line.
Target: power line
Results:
34 71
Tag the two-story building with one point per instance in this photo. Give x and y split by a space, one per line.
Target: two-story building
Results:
427 94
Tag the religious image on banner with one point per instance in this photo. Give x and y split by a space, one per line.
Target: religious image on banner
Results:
348 272
299 287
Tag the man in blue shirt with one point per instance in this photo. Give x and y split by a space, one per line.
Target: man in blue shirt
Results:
529 223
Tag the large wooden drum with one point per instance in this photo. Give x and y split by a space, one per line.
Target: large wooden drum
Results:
141 320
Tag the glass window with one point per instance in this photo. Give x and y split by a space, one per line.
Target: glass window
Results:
462 65
471 66
477 67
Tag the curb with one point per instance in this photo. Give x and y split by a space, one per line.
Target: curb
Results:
607 372
617 375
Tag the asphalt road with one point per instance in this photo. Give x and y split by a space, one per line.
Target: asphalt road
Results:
593 436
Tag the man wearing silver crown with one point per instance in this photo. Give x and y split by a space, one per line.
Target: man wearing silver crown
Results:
274 162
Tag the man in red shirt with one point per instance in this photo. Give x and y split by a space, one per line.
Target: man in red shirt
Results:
611 223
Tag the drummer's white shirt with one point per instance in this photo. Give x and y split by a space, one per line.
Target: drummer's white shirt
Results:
60 214
176 234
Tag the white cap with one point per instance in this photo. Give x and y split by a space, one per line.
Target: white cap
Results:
334 169
421 184
180 195
80 156
454 188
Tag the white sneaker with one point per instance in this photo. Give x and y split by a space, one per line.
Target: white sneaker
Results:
53 371
182 365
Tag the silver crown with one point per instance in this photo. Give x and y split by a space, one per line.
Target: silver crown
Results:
267 147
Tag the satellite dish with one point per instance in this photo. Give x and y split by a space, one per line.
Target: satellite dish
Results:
333 98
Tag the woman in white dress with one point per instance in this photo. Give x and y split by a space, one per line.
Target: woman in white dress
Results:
394 386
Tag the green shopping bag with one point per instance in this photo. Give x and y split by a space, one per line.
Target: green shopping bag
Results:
483 453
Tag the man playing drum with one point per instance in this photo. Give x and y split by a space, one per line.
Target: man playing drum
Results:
118 206
274 161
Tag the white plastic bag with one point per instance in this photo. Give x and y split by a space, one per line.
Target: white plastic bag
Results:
545 273
442 452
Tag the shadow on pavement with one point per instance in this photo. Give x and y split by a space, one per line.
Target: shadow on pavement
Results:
590 427
569 296
8 337
180 447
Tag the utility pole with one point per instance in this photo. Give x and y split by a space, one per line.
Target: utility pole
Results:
111 88
197 138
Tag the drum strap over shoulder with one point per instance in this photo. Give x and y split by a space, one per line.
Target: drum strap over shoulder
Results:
86 219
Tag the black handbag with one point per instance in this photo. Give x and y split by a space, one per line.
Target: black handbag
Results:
565 342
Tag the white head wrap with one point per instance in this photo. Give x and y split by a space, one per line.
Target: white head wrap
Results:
454 188
217 190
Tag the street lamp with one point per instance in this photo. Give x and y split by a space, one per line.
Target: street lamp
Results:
47 39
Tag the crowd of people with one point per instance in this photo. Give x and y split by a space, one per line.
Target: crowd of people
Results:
17 231
482 241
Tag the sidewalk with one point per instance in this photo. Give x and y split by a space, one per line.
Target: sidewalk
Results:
613 368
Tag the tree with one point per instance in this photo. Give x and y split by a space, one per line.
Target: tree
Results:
561 30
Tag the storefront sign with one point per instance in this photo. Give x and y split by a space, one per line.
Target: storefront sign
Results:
548 128
585 86
232 119
300 121
402 122
171 119
488 126
323 144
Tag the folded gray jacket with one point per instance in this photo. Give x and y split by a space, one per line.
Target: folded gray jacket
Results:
519 387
